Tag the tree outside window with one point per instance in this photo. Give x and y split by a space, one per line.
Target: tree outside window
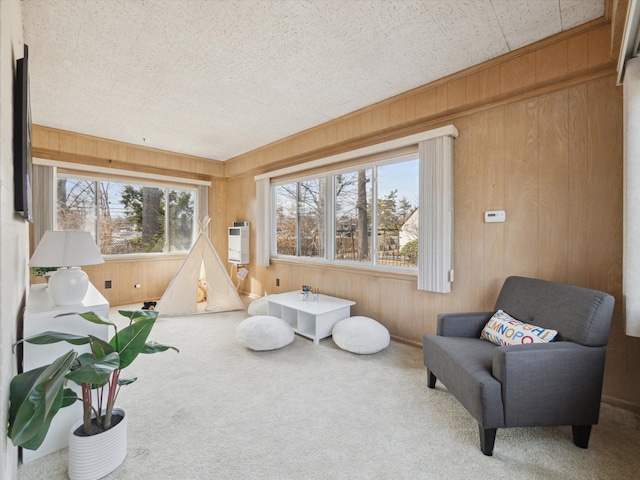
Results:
300 215
128 218
300 218
397 207
353 206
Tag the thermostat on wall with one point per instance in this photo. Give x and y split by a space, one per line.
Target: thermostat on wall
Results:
495 216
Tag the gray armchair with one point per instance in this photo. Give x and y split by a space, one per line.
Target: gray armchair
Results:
537 384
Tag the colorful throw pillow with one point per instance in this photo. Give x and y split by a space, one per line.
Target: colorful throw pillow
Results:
503 329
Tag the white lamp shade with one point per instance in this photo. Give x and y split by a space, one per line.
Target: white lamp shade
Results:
66 249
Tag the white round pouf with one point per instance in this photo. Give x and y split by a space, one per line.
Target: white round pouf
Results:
259 306
361 335
263 332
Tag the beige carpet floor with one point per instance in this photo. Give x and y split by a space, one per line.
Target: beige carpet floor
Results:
219 411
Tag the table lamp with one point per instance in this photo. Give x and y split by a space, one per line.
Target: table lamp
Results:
68 251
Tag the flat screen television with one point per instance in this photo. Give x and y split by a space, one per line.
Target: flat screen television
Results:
22 165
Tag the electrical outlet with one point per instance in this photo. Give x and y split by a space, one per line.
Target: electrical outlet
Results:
107 284
137 285
277 282
242 273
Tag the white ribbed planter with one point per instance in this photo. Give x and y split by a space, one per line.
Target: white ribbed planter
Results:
93 457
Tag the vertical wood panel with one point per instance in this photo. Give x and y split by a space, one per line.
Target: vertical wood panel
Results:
489 82
68 143
551 62
553 216
442 92
426 103
397 112
380 117
598 46
491 196
473 88
468 236
578 185
41 137
518 74
457 93
604 228
521 188
577 53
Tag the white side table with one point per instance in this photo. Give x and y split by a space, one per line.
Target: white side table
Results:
39 317
311 319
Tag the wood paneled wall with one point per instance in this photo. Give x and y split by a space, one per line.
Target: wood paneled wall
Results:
153 274
540 136
553 162
64 146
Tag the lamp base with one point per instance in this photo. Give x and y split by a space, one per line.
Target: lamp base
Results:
68 286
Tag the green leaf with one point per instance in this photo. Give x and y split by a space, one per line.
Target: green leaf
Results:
99 347
55 337
97 370
154 347
137 315
34 442
130 341
91 317
36 397
126 381
69 397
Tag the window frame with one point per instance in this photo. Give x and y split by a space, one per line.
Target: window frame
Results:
330 220
168 185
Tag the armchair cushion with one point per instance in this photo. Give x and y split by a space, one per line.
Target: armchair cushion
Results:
503 329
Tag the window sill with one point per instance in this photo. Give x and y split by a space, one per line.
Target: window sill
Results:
411 276
144 257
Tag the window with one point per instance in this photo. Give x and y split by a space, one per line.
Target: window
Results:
353 207
381 198
300 218
394 213
397 214
126 217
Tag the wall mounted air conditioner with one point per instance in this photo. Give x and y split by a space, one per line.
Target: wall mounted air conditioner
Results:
238 252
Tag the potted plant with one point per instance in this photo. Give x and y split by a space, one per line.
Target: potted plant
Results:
37 395
45 272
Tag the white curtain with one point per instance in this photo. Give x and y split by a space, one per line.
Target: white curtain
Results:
44 201
263 220
631 249
435 249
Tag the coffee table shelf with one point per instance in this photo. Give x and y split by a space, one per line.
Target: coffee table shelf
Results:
310 319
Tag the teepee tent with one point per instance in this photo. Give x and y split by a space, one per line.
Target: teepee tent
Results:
201 284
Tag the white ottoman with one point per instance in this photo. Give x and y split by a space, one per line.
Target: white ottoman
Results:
361 335
260 306
263 332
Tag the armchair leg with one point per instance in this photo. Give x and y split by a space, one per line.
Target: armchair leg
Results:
487 439
431 382
581 435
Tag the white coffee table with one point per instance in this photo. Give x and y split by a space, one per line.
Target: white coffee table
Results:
311 319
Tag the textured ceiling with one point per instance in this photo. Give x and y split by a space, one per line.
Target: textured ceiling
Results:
217 78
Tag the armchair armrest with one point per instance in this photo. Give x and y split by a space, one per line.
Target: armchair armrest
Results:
468 324
557 383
